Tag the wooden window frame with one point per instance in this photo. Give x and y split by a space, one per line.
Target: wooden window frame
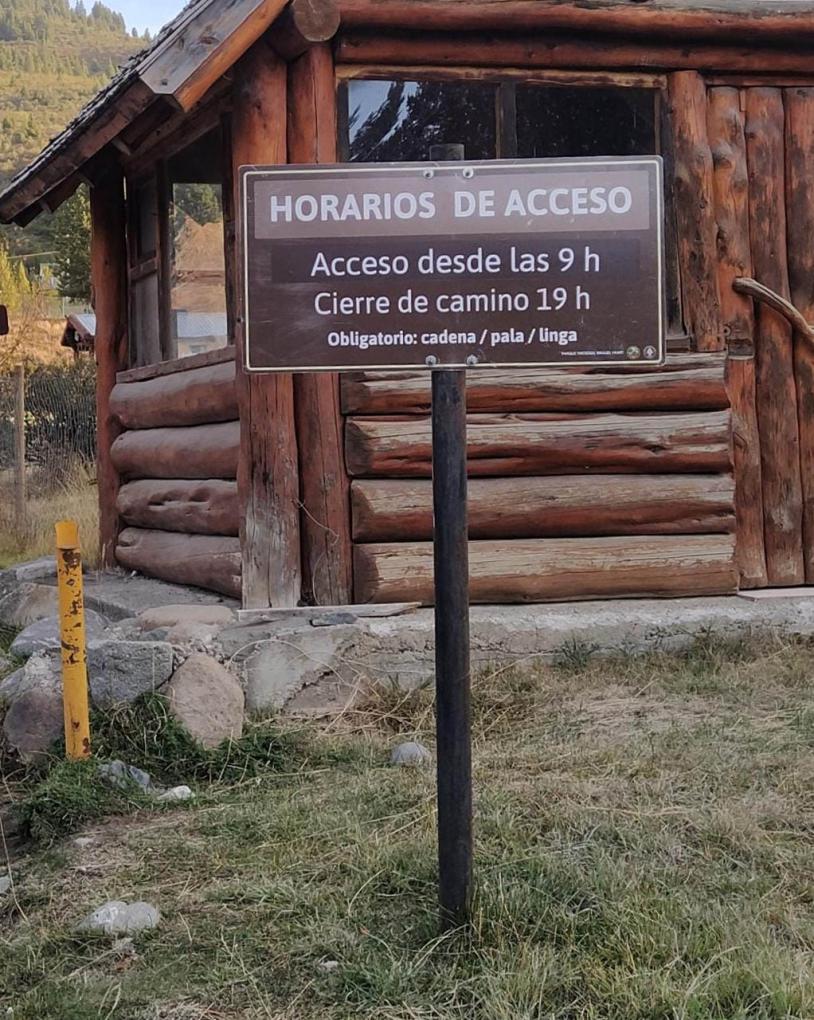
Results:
149 167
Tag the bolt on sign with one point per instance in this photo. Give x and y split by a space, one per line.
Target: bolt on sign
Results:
425 265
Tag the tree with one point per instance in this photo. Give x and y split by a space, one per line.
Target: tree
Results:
26 303
72 241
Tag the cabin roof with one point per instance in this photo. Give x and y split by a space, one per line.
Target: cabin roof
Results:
190 53
172 68
126 75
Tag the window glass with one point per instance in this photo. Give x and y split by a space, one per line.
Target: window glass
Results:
391 121
197 320
554 120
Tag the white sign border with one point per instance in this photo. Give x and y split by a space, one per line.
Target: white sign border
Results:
247 172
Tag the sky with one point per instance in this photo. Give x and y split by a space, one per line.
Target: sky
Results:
143 14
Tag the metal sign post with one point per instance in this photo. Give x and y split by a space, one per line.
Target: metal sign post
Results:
453 712
452 670
442 267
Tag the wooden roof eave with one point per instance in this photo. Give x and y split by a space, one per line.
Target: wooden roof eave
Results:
185 60
759 22
64 159
200 51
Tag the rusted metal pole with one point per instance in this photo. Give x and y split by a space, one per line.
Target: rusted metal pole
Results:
74 649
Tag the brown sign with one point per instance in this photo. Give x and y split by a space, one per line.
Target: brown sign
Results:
423 265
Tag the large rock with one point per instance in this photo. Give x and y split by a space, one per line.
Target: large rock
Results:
207 700
34 721
172 616
28 603
43 569
44 635
119 918
197 635
411 754
121 671
303 669
40 671
123 776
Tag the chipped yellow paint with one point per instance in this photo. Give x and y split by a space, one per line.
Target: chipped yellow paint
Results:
74 649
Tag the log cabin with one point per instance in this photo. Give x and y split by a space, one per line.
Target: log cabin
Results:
692 478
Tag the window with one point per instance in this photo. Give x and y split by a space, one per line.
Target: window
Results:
197 258
145 340
177 255
401 120
555 120
382 121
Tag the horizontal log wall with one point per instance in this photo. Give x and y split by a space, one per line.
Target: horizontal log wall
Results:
555 569
197 397
177 457
392 510
689 382
527 444
584 483
206 507
205 561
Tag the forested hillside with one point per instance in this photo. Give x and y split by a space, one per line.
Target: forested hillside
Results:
53 57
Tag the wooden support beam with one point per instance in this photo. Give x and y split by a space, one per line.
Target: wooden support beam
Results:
799 106
268 479
550 570
774 359
560 51
109 281
325 486
695 209
302 24
740 20
726 121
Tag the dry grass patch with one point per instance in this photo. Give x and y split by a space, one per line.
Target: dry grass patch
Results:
74 498
644 853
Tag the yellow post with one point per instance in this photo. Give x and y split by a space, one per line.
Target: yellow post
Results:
74 651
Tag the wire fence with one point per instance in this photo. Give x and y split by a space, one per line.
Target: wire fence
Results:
53 409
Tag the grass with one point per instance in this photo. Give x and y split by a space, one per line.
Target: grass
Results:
75 498
644 848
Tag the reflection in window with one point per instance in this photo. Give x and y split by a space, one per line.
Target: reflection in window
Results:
585 121
197 321
391 121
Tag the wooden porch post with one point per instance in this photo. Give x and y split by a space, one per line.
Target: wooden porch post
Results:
726 125
109 280
695 209
268 482
774 357
325 484
799 106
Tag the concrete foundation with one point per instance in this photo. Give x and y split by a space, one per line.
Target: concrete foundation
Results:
297 666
